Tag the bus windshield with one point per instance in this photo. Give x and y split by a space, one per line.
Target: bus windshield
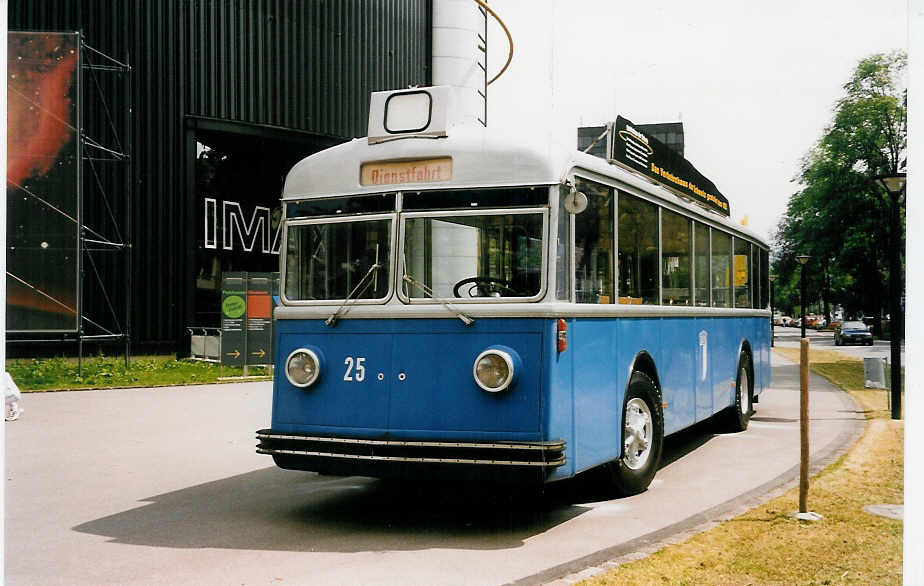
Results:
467 254
328 260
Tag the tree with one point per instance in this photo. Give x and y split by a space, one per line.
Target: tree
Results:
840 216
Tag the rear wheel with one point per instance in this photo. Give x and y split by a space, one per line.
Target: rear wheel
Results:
642 437
738 415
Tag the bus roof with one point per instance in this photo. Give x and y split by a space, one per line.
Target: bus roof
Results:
481 157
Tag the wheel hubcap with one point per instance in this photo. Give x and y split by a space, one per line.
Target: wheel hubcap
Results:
637 431
744 390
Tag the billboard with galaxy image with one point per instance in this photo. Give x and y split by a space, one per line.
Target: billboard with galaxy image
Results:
43 174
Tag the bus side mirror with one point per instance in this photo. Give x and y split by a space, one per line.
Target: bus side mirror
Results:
575 202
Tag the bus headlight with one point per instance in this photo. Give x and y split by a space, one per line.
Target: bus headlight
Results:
495 369
303 367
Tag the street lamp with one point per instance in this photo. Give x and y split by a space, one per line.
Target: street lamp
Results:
803 405
802 259
894 185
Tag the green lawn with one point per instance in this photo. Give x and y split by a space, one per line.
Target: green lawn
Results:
54 374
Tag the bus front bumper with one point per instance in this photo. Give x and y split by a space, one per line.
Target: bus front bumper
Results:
338 455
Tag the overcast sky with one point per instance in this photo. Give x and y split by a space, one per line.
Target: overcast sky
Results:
753 83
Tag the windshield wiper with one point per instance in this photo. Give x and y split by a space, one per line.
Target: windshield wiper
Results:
373 270
467 320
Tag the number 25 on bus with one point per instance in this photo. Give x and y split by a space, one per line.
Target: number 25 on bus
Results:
461 301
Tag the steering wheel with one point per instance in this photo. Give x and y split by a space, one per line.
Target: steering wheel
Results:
486 287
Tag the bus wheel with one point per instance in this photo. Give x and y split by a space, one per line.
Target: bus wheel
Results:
738 415
642 437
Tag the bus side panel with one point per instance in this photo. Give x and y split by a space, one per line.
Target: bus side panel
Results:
675 362
599 385
724 336
762 358
703 374
558 398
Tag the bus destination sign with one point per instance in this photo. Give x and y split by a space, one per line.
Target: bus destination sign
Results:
398 172
647 155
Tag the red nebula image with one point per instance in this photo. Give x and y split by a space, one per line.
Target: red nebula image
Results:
42 174
40 72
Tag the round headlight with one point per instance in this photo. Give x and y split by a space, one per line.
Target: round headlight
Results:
493 370
302 367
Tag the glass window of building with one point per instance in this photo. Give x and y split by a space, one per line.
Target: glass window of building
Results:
676 244
742 273
701 264
638 251
593 245
721 269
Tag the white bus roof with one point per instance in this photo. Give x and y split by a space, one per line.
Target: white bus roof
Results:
481 157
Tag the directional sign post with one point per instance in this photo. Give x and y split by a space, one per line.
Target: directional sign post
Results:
247 301
260 318
233 317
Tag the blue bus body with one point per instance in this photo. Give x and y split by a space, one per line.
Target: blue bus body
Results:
574 396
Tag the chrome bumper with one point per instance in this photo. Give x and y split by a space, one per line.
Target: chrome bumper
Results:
491 454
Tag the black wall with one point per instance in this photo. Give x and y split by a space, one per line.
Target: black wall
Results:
250 67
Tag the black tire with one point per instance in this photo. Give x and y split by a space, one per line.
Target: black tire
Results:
636 466
739 414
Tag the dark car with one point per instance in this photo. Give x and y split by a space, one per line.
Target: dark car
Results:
852 332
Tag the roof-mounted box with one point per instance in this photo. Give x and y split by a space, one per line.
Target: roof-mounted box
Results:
416 112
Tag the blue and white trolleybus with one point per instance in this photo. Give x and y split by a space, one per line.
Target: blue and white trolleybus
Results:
458 300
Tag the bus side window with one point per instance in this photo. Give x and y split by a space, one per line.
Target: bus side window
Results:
676 242
765 300
721 269
639 252
742 273
593 245
701 278
563 249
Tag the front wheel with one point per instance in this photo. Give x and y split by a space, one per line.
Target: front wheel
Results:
739 415
642 437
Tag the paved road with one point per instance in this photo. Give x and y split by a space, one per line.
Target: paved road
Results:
789 337
162 486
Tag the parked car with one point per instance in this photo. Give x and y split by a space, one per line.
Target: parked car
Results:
786 321
852 332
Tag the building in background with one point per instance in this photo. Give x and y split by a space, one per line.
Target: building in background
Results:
226 95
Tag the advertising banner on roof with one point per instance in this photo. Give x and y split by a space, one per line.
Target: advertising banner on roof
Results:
644 154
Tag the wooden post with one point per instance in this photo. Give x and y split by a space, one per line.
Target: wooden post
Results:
803 424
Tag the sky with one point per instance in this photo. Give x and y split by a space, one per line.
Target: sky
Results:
754 84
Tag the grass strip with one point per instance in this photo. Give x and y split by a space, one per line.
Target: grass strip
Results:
765 546
56 374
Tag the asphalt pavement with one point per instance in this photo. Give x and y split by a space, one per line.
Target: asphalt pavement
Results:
162 486
789 338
